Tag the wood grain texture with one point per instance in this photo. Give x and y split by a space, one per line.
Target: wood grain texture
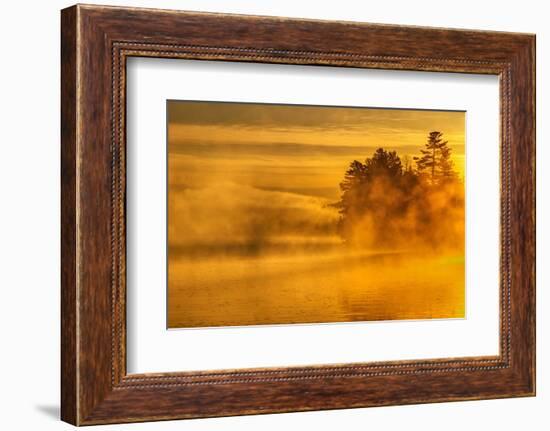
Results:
96 41
69 366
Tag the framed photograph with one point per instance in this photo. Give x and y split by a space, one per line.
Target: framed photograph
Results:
265 215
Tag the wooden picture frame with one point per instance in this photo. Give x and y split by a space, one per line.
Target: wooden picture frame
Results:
95 43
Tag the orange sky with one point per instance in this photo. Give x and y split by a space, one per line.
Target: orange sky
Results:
296 148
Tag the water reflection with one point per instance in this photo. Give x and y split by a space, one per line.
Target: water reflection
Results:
334 286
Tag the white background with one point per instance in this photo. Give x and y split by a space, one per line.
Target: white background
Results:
29 216
151 348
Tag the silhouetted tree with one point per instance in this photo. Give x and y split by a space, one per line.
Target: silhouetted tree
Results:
387 203
354 176
386 163
435 160
371 190
446 165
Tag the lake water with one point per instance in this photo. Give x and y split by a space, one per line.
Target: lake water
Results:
332 286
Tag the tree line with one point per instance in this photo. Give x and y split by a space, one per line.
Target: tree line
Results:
390 202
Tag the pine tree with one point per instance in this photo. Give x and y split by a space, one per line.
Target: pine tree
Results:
355 175
446 165
435 160
367 189
385 163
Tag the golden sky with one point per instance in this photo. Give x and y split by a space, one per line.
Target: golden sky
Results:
293 147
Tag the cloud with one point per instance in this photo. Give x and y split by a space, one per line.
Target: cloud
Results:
264 115
237 149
